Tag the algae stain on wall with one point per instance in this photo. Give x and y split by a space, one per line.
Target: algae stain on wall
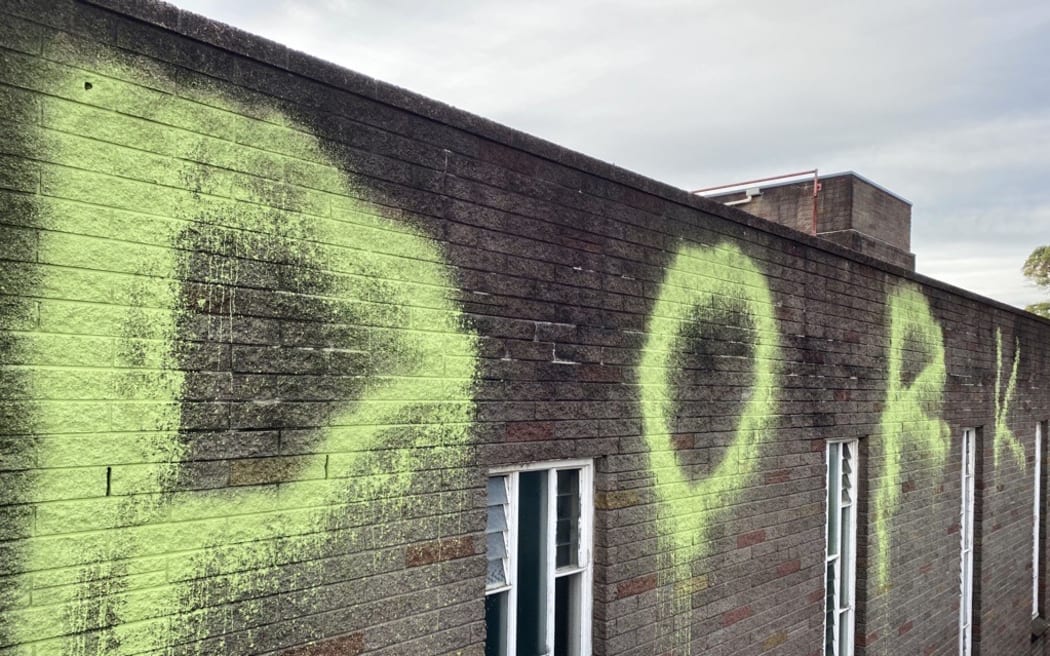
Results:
1004 437
703 280
156 212
910 425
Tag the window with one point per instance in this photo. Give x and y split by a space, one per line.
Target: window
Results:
966 523
841 560
538 586
1037 520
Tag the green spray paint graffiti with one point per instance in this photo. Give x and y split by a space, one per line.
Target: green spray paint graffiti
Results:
704 280
1004 437
155 212
121 395
910 421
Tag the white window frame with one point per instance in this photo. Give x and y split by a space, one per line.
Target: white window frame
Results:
840 555
966 541
584 565
1037 516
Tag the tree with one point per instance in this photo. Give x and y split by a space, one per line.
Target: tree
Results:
1037 269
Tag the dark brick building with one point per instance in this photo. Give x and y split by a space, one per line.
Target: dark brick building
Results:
295 362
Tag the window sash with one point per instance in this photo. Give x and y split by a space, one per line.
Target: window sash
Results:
966 523
840 547
1037 475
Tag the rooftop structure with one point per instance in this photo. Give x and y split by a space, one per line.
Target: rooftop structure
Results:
846 209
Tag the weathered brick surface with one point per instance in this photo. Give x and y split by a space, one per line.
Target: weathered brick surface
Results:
265 324
350 645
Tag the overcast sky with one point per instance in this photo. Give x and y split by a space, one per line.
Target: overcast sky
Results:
943 102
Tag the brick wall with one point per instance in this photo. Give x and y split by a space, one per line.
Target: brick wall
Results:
881 215
265 324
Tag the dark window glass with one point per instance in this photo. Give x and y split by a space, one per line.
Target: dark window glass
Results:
532 564
829 612
496 624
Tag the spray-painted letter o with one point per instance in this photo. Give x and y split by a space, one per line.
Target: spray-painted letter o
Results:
699 278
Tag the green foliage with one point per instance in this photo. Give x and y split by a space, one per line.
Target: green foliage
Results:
1042 309
1037 269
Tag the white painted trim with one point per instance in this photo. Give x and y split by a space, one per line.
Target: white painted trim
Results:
1037 476
548 464
844 560
552 552
966 542
512 576
851 569
586 556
